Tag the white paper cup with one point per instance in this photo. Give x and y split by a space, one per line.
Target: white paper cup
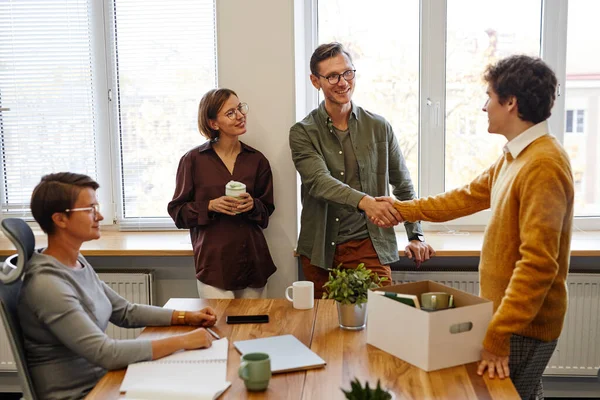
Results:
235 189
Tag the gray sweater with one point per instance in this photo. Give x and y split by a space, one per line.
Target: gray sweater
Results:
64 314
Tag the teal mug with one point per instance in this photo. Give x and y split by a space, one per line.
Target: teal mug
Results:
255 370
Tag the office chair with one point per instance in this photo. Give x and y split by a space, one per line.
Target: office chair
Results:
21 236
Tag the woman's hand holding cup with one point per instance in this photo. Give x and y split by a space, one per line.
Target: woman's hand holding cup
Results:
245 203
224 205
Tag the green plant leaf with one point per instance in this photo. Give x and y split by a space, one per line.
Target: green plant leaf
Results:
350 286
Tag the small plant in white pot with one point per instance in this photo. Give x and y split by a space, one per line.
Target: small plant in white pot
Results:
349 287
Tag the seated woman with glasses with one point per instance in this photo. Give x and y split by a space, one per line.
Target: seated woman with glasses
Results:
64 308
230 251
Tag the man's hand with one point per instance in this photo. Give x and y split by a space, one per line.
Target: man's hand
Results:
419 251
381 213
494 364
390 200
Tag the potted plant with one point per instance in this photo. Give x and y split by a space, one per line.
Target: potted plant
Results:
349 287
358 392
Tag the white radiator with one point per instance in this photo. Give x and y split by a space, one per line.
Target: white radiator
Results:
136 287
578 349
465 281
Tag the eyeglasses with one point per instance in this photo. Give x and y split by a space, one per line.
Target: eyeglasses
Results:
95 209
242 108
333 79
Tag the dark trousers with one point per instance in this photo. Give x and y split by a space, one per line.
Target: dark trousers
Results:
527 361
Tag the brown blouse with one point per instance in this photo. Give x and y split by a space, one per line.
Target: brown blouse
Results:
230 252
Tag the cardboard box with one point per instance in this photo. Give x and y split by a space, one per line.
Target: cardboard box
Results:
426 339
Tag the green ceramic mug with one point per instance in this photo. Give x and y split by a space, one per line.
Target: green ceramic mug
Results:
436 301
255 370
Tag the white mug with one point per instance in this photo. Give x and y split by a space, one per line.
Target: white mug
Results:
303 293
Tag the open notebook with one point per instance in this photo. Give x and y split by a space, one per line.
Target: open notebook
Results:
286 352
193 374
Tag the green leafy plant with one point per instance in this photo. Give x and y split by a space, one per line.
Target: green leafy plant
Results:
350 286
358 392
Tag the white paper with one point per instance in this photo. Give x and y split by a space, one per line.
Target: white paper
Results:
150 392
218 351
193 372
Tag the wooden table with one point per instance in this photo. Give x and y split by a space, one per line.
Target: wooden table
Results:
346 353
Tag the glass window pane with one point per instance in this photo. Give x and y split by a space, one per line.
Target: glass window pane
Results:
47 77
580 121
480 33
165 55
569 121
583 95
387 71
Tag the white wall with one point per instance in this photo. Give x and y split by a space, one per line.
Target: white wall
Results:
256 59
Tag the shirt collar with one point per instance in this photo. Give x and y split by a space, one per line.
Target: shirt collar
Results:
322 112
208 146
520 143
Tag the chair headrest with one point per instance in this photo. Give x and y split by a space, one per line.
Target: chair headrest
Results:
21 236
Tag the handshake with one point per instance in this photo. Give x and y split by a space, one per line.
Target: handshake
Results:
381 211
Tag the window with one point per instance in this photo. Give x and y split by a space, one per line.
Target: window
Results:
387 81
47 84
434 53
471 44
120 107
582 131
575 125
580 114
164 58
569 121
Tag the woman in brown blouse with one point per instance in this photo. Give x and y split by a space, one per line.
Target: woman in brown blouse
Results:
230 251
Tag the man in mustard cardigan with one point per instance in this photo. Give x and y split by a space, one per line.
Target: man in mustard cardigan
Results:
525 255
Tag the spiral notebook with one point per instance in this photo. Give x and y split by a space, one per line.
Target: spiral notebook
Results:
201 373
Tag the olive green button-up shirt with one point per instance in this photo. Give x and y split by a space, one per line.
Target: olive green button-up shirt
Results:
318 156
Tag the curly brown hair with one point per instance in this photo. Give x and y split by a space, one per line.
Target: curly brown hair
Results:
530 80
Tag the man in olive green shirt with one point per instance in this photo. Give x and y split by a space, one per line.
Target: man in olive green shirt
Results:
346 156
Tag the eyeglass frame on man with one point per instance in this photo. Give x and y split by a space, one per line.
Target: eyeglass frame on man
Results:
232 113
339 76
95 208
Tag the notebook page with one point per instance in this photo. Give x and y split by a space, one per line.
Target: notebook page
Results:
203 368
150 392
218 351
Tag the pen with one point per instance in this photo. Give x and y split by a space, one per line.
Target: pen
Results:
213 333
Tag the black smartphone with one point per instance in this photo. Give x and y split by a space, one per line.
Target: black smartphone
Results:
247 319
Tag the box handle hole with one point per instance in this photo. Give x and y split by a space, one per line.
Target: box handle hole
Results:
462 327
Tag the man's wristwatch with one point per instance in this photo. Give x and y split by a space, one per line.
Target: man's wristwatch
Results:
417 236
